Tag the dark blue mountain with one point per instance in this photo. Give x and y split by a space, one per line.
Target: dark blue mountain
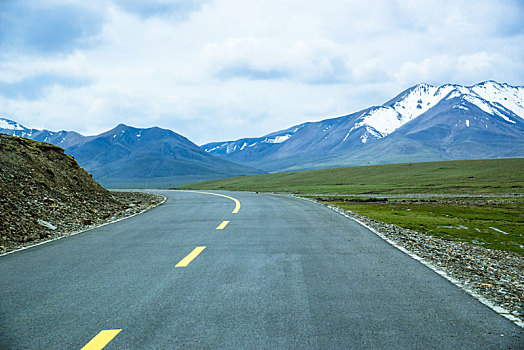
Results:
133 157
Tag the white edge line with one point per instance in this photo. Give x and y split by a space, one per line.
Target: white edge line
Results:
500 310
82 231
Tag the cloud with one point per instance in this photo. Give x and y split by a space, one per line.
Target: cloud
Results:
177 9
314 62
35 87
224 69
462 69
371 72
243 70
46 27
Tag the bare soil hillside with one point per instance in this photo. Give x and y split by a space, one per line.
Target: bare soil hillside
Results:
44 194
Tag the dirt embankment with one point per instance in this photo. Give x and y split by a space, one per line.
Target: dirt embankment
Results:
45 194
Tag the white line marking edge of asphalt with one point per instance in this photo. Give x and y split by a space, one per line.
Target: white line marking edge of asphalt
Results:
501 311
83 231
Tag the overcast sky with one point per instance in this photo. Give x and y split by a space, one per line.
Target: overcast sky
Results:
226 69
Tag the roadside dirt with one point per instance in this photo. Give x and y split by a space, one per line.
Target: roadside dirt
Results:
44 194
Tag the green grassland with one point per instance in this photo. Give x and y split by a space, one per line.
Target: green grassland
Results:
490 223
492 176
496 223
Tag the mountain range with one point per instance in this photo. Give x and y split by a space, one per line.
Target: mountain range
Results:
133 157
423 123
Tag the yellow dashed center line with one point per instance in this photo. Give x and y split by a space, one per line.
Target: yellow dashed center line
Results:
222 225
184 262
104 337
101 339
237 202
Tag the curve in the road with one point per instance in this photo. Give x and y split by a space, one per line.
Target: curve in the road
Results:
287 274
237 202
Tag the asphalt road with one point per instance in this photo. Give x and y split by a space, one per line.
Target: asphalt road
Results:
283 273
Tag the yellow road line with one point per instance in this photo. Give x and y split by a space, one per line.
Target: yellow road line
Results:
237 203
101 339
222 225
184 262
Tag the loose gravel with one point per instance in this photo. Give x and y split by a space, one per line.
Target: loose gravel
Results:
129 204
419 195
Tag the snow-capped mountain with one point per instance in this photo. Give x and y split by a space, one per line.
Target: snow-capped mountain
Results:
342 141
127 156
225 148
11 125
64 139
422 123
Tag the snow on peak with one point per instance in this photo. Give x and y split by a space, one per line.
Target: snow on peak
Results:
491 97
212 149
460 106
230 149
248 145
277 139
487 107
510 97
10 125
379 122
382 121
420 99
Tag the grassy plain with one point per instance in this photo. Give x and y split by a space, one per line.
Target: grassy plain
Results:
496 223
492 176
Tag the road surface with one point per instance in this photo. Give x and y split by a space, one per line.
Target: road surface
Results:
280 273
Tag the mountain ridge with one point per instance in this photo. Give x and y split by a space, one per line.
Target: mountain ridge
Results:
421 123
126 156
349 139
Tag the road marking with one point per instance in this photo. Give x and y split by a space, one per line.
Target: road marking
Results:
222 225
237 203
184 262
101 339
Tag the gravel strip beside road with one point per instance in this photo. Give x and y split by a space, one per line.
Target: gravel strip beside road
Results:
419 195
129 203
495 275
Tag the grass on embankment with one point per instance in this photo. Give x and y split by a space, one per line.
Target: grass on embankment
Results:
491 176
491 224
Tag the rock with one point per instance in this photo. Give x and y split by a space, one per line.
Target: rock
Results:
46 224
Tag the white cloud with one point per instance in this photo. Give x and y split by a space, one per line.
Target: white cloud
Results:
225 69
312 62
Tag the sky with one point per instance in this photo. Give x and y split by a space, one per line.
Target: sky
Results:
216 70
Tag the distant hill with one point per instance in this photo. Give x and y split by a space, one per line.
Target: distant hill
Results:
133 157
423 123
